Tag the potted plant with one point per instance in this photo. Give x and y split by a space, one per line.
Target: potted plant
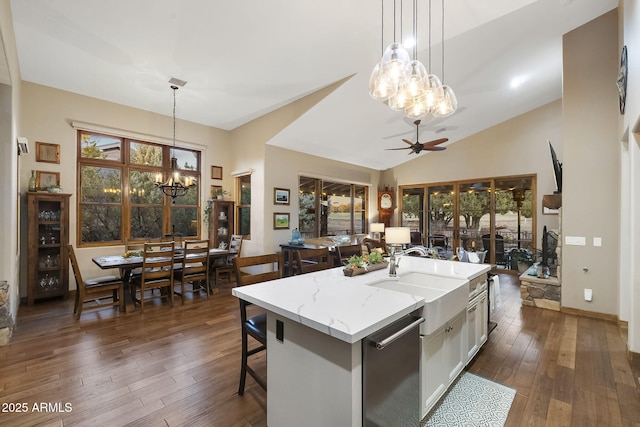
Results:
521 259
55 188
220 194
206 213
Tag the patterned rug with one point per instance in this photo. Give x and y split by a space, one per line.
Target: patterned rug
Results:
472 401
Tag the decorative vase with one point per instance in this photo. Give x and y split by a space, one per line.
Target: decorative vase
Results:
32 181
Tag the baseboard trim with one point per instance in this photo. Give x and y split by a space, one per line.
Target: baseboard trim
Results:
586 313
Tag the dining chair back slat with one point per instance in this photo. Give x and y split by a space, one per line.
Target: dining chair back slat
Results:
310 260
93 290
193 268
250 270
157 271
347 251
227 268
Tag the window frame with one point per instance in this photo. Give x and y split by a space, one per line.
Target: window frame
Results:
126 167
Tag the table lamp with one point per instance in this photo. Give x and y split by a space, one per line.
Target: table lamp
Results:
376 229
394 237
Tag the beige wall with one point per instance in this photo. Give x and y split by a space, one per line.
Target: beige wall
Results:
10 163
48 115
516 147
284 167
630 171
591 170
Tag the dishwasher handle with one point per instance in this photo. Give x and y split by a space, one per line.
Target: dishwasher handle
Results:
380 345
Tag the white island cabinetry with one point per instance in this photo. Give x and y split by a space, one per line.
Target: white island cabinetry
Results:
316 326
443 358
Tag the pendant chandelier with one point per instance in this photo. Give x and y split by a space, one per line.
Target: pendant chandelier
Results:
174 186
406 84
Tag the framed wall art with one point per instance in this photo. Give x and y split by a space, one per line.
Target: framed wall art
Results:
280 196
216 172
48 153
45 179
280 220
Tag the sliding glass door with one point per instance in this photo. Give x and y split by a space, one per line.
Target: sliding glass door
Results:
496 215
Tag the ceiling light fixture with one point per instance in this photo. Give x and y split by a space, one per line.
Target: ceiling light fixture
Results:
407 85
174 186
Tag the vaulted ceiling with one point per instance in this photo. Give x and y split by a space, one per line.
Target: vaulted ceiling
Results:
242 59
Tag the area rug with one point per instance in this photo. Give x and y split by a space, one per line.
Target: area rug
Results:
471 401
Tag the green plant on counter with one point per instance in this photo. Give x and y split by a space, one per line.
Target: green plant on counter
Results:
357 261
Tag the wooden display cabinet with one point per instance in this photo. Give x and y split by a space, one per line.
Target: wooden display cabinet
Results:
48 237
221 223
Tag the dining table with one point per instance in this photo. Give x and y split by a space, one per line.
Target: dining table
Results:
126 265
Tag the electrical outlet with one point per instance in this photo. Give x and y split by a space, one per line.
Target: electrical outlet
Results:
588 295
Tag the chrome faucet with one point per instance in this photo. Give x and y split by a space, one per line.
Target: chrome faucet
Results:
393 263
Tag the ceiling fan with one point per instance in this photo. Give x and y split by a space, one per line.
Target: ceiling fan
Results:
417 147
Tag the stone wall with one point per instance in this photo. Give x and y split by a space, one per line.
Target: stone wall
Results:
6 321
537 292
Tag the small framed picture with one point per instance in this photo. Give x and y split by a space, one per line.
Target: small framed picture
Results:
280 220
216 172
46 179
280 196
48 153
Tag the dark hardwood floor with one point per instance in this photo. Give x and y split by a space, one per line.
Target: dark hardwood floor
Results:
180 366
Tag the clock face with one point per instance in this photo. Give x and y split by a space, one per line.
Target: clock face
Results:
385 201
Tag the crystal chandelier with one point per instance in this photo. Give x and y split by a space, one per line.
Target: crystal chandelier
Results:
174 186
405 84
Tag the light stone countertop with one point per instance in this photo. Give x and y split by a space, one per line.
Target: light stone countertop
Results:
346 307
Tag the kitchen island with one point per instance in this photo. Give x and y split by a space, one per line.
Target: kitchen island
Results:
316 324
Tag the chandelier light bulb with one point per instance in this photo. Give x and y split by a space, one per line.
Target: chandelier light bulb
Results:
415 85
448 103
418 109
380 87
401 100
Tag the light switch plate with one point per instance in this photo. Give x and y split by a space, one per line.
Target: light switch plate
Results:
597 241
575 240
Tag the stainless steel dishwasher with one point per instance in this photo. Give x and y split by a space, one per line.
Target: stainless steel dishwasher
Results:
391 374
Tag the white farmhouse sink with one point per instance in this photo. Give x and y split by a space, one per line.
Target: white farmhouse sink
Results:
431 281
443 297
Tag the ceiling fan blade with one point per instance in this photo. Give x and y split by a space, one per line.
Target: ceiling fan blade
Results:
408 142
435 148
435 142
403 148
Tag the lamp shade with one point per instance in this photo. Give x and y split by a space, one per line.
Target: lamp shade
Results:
397 235
377 227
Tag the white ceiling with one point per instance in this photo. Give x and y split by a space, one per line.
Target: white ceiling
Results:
242 59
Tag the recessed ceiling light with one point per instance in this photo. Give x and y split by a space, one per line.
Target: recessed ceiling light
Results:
409 43
517 81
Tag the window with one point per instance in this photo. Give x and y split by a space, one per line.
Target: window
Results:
328 208
118 198
492 214
244 205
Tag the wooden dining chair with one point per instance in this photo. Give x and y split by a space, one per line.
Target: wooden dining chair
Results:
157 272
309 260
374 244
261 268
235 250
193 268
347 251
95 290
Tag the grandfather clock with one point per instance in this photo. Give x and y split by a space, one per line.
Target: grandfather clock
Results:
385 206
